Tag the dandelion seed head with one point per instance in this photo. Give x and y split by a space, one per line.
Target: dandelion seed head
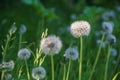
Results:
113 52
24 54
108 15
108 27
38 73
80 28
8 76
71 53
23 29
111 39
51 45
8 65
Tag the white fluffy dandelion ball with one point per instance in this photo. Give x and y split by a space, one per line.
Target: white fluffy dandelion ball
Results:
108 27
8 65
24 54
80 28
51 45
71 53
38 73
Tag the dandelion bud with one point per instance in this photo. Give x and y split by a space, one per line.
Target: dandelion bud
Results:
71 53
80 28
38 73
51 45
24 54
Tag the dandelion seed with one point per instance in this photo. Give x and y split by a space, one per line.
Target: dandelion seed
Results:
8 76
71 53
24 54
80 28
107 15
111 39
23 29
51 45
38 73
113 52
108 27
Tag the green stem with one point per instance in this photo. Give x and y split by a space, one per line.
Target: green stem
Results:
2 75
68 69
106 67
52 66
64 74
28 74
97 57
80 60
20 40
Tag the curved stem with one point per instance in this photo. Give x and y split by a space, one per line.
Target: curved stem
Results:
28 74
80 60
52 66
107 61
97 57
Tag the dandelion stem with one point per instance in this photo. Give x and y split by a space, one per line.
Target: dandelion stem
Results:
80 60
107 61
20 40
28 74
52 66
2 75
64 74
97 57
68 69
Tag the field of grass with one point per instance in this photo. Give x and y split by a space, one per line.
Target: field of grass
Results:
25 24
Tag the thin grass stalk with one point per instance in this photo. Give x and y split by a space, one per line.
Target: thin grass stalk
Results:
97 57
